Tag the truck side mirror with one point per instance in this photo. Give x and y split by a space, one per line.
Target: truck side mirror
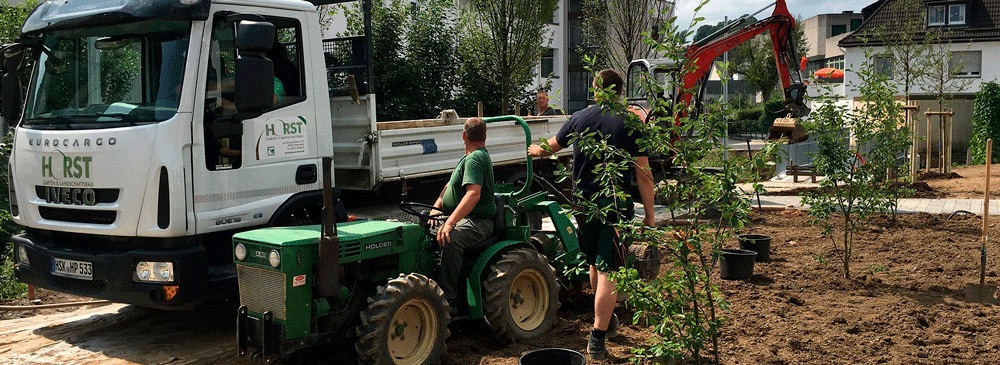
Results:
254 84
11 84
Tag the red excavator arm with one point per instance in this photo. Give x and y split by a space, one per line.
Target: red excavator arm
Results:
699 58
780 25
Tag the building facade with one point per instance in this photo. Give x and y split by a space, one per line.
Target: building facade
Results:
970 33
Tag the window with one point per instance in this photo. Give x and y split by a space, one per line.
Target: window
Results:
224 152
883 65
942 15
956 14
966 63
935 15
838 29
548 63
855 24
835 62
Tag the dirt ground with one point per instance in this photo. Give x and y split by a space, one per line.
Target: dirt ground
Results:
965 182
907 302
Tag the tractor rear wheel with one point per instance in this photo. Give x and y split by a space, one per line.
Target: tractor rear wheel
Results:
521 296
406 323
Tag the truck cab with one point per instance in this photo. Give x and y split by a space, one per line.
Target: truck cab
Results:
151 131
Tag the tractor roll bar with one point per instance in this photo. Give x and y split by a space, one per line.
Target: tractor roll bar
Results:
527 143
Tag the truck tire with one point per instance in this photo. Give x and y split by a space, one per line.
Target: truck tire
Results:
521 296
406 323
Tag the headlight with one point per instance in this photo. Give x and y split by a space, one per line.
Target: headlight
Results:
274 258
153 271
164 271
143 271
22 255
240 251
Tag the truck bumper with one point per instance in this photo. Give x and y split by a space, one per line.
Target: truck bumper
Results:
114 275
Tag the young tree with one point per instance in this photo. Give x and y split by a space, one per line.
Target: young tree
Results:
503 41
683 307
856 185
617 28
907 41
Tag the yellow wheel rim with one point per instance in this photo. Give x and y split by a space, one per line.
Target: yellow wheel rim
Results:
412 332
529 299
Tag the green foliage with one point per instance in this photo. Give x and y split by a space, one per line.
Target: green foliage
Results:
414 53
985 122
853 191
755 61
501 44
748 121
10 28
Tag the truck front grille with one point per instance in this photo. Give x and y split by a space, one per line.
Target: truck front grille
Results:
78 215
262 290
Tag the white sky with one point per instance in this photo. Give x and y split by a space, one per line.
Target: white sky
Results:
716 10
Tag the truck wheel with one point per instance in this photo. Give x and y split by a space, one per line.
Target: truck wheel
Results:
406 323
521 296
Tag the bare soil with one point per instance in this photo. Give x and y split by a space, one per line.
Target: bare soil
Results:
970 182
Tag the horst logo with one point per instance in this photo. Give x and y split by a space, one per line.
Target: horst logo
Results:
75 167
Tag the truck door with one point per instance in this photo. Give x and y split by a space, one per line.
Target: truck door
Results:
244 170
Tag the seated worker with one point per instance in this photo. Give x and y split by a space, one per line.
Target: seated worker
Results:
468 199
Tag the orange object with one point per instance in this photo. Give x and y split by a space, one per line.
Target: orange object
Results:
829 73
169 291
802 63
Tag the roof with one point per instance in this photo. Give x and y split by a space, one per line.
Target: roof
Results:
982 22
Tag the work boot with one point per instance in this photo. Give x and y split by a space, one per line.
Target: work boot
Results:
612 328
595 348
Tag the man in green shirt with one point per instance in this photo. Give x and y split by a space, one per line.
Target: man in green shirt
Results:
468 201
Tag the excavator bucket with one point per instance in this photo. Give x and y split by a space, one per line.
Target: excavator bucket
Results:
788 128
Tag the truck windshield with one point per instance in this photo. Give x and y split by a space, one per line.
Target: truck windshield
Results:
104 77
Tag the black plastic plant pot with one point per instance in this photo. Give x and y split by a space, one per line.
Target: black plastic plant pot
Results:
736 264
553 357
759 243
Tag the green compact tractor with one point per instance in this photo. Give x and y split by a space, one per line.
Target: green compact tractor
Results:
369 282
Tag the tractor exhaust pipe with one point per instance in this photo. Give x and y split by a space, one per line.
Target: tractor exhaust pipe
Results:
329 241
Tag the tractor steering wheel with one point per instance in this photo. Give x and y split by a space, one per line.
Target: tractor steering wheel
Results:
423 215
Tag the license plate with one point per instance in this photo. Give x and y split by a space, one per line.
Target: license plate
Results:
72 269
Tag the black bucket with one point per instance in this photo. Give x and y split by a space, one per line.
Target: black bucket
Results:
759 243
736 264
553 357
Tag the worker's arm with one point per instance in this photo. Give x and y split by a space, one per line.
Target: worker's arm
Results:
644 177
469 200
537 150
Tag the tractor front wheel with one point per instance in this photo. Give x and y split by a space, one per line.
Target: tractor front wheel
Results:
521 296
406 323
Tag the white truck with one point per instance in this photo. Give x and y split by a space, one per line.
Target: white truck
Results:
153 130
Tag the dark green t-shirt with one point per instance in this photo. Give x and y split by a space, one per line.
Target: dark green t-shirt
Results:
475 168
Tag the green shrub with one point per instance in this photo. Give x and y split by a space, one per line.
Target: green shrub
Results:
773 109
747 120
985 122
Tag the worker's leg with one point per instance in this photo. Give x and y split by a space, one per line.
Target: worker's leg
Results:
469 233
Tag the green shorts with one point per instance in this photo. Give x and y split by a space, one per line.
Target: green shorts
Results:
600 242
